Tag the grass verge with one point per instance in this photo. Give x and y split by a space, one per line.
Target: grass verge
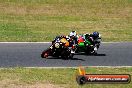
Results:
55 78
42 20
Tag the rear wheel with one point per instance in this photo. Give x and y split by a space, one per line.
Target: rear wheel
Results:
67 55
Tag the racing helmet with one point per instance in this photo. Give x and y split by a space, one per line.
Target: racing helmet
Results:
73 33
95 34
87 35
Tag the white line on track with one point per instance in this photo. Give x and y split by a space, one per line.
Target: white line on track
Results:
85 66
61 67
72 67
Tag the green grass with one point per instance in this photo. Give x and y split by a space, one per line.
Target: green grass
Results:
61 77
42 20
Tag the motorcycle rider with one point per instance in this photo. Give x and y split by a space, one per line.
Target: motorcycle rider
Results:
96 35
73 35
57 38
93 40
89 38
59 41
96 38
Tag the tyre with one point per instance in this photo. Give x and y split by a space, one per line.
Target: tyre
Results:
71 55
44 55
65 54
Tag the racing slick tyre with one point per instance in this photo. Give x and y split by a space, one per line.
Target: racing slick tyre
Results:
44 55
64 57
65 54
71 56
67 57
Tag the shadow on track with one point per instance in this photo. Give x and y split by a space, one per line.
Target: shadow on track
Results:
100 55
95 55
64 59
90 54
77 59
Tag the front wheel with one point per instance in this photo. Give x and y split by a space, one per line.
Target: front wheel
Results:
44 55
71 56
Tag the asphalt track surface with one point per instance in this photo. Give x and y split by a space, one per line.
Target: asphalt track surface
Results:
28 55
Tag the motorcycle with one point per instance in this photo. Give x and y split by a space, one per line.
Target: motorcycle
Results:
59 48
87 45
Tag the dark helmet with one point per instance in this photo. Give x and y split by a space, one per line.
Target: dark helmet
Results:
95 34
87 35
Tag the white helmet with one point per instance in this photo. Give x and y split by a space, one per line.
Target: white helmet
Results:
73 33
